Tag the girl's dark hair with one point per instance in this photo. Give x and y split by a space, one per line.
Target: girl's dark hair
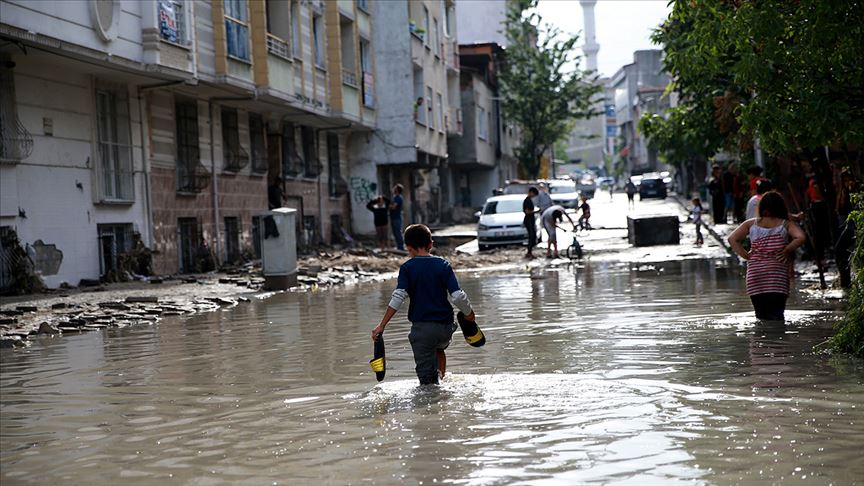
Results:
418 236
773 205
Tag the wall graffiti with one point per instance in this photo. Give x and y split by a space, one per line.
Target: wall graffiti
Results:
363 190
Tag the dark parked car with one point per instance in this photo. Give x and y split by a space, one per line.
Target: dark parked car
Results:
652 186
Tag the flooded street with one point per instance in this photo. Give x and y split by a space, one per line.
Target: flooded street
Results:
603 372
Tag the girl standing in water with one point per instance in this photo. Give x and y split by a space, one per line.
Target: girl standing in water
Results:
696 217
773 241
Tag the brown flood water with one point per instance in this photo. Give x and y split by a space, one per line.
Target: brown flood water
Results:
603 373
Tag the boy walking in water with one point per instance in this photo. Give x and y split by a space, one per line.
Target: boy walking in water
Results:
427 281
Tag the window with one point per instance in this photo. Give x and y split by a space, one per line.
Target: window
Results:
440 112
115 143
233 155
363 5
318 39
482 128
172 21
419 110
114 240
425 26
367 79
256 143
448 18
349 65
237 29
336 184
295 28
190 239
490 126
429 113
291 163
232 239
310 152
436 40
278 28
188 155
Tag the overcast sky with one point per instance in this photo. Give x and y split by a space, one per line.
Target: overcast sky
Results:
623 26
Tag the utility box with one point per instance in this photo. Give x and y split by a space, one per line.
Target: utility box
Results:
653 230
278 232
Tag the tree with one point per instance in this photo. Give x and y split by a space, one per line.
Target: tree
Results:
540 90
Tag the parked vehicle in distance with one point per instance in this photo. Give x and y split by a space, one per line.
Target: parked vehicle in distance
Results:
501 222
518 186
586 185
652 186
564 192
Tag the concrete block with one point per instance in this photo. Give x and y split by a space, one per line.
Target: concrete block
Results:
653 230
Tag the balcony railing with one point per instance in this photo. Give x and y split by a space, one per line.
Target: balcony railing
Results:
278 47
235 159
349 78
16 143
192 178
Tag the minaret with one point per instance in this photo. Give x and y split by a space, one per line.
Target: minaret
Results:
591 47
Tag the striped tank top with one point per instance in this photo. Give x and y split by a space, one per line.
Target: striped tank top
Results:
764 272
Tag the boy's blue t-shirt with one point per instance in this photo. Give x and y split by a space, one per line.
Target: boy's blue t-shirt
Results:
428 281
396 212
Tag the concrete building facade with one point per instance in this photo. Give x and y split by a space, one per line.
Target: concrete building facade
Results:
481 157
176 122
75 180
414 45
637 89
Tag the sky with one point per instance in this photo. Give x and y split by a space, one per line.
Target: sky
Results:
622 26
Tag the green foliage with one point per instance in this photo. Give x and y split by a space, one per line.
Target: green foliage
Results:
787 71
540 92
849 336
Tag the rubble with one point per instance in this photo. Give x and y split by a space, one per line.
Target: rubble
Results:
128 303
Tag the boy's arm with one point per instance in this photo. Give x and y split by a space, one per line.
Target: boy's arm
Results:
458 296
396 301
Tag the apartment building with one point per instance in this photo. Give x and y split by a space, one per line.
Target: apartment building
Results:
178 122
74 185
414 44
481 157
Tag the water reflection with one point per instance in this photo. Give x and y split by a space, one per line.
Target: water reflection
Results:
593 372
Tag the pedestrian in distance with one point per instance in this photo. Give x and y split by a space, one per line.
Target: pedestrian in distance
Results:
426 281
718 197
696 218
773 241
630 189
762 186
729 176
846 232
380 207
543 200
396 205
586 214
550 218
529 222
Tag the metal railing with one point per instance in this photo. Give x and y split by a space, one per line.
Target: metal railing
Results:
192 178
349 78
16 143
235 159
278 47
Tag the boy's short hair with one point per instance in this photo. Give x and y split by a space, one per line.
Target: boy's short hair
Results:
418 236
398 188
534 190
557 214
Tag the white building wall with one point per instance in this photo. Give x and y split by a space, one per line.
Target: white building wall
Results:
51 195
479 21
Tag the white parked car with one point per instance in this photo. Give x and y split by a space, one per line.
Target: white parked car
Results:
501 222
564 193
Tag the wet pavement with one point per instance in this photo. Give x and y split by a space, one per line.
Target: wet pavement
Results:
628 370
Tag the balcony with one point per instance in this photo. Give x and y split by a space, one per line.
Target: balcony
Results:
451 55
16 143
453 121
